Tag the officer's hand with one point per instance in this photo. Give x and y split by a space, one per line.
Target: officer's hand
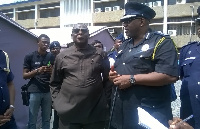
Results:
122 81
9 112
112 75
175 124
3 120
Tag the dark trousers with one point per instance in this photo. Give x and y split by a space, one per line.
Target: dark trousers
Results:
56 120
10 125
95 125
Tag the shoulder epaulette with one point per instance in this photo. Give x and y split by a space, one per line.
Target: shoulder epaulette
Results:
7 69
161 34
191 43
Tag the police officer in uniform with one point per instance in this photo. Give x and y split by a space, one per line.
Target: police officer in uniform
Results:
118 41
145 66
7 94
189 74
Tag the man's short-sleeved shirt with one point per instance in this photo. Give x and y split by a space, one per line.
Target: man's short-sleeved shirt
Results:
132 60
33 61
5 77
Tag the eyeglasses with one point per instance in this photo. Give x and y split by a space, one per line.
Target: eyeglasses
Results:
76 31
128 21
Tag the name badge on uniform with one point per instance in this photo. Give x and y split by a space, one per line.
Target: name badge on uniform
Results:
37 63
145 47
190 58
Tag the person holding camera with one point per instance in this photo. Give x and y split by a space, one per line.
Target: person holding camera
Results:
38 67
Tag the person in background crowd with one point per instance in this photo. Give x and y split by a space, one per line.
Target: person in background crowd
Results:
38 67
79 77
118 41
145 66
97 43
55 49
177 123
189 74
7 94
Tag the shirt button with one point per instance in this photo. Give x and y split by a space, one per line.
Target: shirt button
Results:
153 106
123 63
197 96
4 101
198 83
1 87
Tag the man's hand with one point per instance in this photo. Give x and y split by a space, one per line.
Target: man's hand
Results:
122 81
4 119
9 112
45 69
112 75
177 124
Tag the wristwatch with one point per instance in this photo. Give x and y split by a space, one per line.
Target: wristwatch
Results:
132 80
11 106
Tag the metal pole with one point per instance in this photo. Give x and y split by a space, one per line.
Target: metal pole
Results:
192 7
112 107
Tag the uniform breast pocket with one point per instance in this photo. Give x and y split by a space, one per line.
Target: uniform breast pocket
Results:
186 65
143 64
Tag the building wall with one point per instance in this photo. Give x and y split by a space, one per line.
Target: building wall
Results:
50 22
111 18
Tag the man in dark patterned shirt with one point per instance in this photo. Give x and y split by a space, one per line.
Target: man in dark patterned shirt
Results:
77 86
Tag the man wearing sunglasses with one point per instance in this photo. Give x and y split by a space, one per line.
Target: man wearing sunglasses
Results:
77 86
145 66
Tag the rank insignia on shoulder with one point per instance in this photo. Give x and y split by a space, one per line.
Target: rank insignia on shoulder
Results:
119 51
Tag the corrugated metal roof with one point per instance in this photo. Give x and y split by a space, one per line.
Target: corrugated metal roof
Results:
3 16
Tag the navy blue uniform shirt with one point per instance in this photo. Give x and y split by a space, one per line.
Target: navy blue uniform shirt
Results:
5 77
132 60
112 55
190 76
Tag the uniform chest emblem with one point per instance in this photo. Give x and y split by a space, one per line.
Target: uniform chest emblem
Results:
145 47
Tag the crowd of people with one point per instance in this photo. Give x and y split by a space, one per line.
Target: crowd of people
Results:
89 88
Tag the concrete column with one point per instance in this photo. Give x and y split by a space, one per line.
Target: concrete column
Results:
92 11
15 14
62 13
165 17
37 15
